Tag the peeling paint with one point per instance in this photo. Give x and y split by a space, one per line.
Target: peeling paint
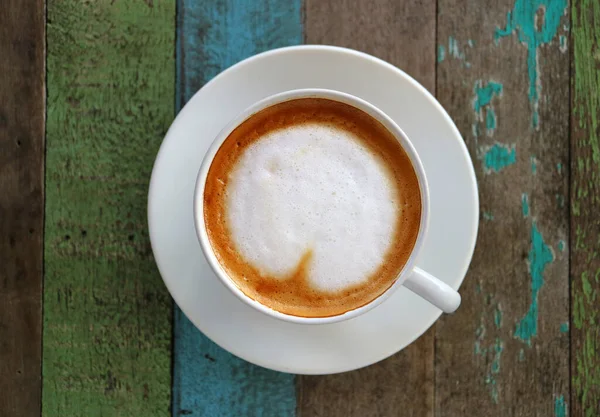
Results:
490 353
533 161
560 406
453 49
525 204
562 39
485 93
490 121
441 53
498 156
498 316
561 245
522 21
540 256
564 327
490 378
482 105
488 216
494 367
587 287
498 349
479 335
559 168
521 355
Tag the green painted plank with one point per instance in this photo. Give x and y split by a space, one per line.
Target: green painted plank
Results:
107 315
585 200
213 35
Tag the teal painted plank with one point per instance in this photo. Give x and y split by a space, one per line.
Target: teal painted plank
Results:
210 382
213 35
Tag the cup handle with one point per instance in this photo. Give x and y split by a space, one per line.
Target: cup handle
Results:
433 290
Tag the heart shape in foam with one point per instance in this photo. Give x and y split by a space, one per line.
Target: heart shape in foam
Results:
315 190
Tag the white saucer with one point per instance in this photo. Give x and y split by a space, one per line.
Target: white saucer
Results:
249 334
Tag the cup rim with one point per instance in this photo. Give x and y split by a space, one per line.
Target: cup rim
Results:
282 97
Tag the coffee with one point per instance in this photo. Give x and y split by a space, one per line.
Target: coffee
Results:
312 207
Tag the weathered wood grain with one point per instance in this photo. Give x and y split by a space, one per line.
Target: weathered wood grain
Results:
502 74
213 35
585 209
398 386
107 314
22 111
402 33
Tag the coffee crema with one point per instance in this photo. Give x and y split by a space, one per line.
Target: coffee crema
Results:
312 207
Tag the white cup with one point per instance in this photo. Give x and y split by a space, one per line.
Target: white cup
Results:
415 279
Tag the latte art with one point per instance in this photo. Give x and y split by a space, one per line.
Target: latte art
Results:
312 207
312 190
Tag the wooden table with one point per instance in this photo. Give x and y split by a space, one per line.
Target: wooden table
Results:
87 92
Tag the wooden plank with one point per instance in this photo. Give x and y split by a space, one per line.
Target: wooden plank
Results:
585 200
402 33
503 70
107 314
22 112
213 35
401 385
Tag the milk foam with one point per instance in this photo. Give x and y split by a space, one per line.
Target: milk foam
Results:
312 187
